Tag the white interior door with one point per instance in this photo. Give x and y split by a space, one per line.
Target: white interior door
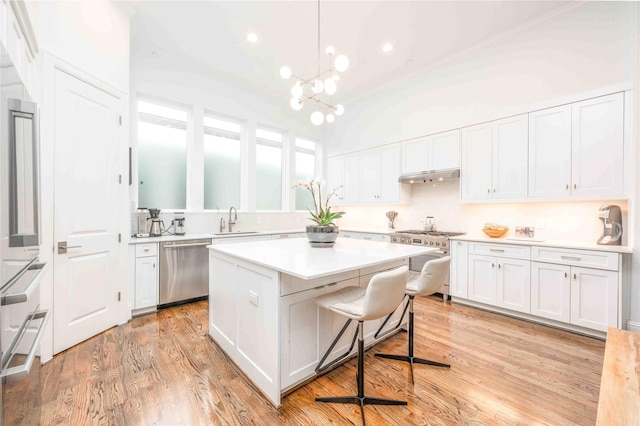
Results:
86 210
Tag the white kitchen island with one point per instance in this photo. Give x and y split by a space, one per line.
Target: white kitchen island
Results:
262 309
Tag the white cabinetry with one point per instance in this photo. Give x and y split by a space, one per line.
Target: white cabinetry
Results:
310 332
494 160
435 152
344 173
458 276
577 150
499 275
576 286
550 153
379 172
146 278
597 146
570 288
383 238
17 36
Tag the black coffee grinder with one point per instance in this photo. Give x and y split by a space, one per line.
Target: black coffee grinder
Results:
611 218
156 223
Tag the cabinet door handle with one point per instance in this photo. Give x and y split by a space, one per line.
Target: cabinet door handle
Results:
575 186
494 190
577 259
154 265
567 187
574 276
565 275
496 250
493 265
488 191
499 266
366 238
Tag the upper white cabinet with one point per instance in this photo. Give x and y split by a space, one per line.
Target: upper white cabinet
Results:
19 42
494 160
550 152
380 169
344 173
435 152
597 146
367 177
577 150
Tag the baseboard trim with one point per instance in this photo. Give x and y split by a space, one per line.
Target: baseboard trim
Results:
633 326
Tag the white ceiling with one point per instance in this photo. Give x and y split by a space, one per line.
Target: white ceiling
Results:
424 33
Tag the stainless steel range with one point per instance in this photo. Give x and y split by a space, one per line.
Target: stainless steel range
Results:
436 239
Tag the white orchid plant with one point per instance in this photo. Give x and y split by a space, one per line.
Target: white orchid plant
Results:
322 214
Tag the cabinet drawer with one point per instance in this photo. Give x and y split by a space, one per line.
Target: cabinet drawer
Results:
148 249
290 284
500 250
585 258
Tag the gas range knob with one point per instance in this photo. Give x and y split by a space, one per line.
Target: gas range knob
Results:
437 243
430 243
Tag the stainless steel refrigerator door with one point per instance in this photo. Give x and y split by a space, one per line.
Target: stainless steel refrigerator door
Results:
184 270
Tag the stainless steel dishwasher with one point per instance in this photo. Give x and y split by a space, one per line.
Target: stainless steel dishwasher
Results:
184 270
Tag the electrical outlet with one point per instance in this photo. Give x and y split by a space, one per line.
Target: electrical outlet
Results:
253 298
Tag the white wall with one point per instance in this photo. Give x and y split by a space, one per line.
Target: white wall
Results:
588 50
93 36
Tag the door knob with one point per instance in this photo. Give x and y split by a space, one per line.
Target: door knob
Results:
62 247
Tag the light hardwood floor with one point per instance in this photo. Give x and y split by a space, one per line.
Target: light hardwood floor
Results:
163 369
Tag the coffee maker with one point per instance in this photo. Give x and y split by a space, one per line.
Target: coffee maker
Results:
142 216
156 223
178 222
611 218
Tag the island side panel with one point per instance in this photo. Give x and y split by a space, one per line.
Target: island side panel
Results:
243 313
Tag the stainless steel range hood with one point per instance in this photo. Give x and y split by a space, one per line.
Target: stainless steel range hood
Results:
430 176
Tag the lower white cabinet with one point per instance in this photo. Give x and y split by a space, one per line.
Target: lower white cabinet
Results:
572 287
310 330
500 281
458 270
585 297
146 289
384 238
145 292
310 333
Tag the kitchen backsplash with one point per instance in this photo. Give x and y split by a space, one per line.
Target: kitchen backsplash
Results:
568 221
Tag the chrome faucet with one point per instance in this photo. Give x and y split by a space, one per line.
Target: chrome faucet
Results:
235 217
222 224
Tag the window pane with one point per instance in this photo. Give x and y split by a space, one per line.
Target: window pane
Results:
268 170
305 170
162 157
221 164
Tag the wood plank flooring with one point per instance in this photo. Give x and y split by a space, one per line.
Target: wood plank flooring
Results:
163 369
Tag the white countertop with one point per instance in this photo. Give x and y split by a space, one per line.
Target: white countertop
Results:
185 237
545 243
296 257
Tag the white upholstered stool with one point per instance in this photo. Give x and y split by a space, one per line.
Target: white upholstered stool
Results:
382 296
433 275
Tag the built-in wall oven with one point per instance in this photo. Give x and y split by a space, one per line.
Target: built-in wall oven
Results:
436 239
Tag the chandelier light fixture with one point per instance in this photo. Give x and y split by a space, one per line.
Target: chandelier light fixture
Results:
319 86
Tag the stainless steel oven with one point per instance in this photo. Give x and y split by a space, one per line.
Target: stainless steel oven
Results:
435 239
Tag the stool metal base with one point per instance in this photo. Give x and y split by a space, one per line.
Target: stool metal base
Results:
409 357
360 399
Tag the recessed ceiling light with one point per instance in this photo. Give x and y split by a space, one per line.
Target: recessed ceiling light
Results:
252 37
387 47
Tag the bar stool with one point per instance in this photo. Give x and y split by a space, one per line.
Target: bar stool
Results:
433 275
381 297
